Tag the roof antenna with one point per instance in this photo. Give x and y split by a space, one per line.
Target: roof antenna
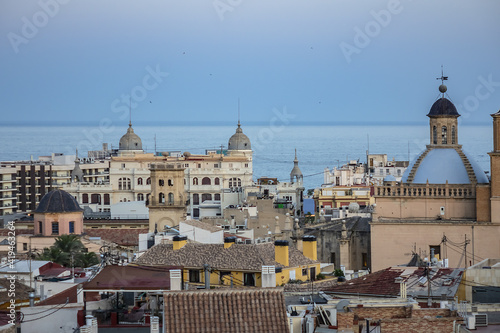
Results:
442 87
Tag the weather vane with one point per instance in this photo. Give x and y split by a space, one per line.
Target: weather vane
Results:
442 87
442 78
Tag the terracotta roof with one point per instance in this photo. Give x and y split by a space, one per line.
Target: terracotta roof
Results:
125 236
226 311
202 225
62 297
22 291
383 283
238 256
130 277
115 221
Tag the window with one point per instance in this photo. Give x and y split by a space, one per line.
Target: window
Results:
249 279
123 165
95 198
434 135
381 171
205 197
170 182
85 198
161 197
148 181
106 199
206 181
139 181
387 171
161 182
399 172
217 196
444 139
55 228
196 199
216 181
437 251
199 165
194 275
171 198
364 260
453 135
195 181
147 199
216 165
304 271
124 184
40 227
332 257
186 165
234 182
140 197
246 165
196 212
71 227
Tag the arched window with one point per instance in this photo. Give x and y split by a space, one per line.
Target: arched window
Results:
139 181
217 196
161 197
95 198
235 182
120 184
85 198
195 181
161 182
453 135
124 184
147 198
217 181
444 139
140 197
434 135
196 199
171 198
205 197
129 184
148 181
206 181
170 182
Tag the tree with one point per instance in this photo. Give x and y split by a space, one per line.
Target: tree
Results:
68 251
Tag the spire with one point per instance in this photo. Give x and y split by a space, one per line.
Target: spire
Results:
296 160
130 112
296 174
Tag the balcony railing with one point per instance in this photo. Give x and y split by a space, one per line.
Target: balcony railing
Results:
426 191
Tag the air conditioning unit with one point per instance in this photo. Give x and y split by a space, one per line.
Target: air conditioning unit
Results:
470 321
480 319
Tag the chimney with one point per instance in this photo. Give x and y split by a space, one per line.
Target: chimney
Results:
175 279
281 252
179 242
229 241
310 247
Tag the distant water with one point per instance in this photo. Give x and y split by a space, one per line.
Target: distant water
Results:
317 146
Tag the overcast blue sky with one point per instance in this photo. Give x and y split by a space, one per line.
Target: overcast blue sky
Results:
323 60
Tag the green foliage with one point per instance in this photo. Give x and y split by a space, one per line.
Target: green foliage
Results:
320 276
68 251
295 281
338 272
310 191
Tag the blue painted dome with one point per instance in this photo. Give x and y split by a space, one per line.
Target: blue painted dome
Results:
444 164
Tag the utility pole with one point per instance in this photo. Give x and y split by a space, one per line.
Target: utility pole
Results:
465 249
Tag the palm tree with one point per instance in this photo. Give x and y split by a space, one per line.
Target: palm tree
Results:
68 243
86 259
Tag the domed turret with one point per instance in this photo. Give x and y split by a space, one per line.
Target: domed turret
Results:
239 141
296 174
130 141
58 201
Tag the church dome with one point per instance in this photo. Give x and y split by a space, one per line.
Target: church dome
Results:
443 107
130 141
441 165
239 141
58 201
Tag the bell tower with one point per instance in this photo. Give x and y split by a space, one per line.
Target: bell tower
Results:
167 203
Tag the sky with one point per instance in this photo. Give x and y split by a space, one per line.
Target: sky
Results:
191 61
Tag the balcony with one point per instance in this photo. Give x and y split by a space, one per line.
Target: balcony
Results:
6 188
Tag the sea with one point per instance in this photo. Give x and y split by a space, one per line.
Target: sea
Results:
318 146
